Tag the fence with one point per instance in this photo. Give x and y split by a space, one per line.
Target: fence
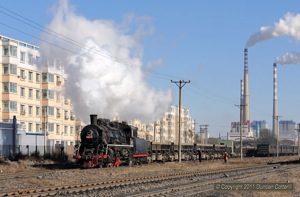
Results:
55 152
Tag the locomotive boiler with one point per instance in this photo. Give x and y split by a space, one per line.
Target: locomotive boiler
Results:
110 143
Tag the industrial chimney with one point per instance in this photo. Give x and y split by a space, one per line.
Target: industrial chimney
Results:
246 112
275 104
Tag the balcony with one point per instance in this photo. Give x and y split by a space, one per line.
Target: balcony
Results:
58 83
66 117
66 102
72 117
23 112
58 115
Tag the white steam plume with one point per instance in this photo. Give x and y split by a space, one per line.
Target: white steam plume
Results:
99 81
288 26
289 58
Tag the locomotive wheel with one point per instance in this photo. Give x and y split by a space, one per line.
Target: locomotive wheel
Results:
109 165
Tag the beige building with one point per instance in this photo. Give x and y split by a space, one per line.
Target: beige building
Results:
166 128
35 94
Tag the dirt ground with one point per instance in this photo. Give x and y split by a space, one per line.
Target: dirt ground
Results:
59 177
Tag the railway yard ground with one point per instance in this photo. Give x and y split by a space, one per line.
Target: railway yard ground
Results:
163 179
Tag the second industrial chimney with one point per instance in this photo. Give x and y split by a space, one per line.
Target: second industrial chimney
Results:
246 104
275 104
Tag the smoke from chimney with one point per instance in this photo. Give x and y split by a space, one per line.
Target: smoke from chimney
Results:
99 83
288 26
289 58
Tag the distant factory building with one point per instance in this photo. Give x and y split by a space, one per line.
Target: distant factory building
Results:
287 130
257 126
235 131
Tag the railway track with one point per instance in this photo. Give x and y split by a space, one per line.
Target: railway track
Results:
196 189
159 184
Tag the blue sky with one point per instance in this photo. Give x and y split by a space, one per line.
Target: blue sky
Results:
201 41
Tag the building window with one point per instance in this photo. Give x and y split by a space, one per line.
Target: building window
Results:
51 77
48 77
48 94
22 56
30 127
38 94
37 111
9 69
30 93
37 76
6 50
13 51
57 129
10 106
48 111
58 112
71 130
45 77
50 127
22 109
44 111
22 92
66 130
10 50
5 69
30 76
22 74
38 127
9 87
66 115
30 110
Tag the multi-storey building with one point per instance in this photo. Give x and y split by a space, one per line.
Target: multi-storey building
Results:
257 126
166 128
287 130
33 93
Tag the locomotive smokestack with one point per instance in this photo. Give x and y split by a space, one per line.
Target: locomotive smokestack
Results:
275 104
93 119
246 112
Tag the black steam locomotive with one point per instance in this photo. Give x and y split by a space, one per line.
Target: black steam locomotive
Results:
109 143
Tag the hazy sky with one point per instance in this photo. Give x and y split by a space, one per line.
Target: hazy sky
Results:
133 49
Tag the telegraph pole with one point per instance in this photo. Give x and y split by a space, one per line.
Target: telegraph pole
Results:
195 131
241 130
203 129
180 84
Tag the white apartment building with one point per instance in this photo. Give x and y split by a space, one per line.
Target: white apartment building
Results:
166 128
34 93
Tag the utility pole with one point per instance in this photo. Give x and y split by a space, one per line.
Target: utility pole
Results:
203 129
155 124
45 129
180 84
277 135
241 129
195 131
